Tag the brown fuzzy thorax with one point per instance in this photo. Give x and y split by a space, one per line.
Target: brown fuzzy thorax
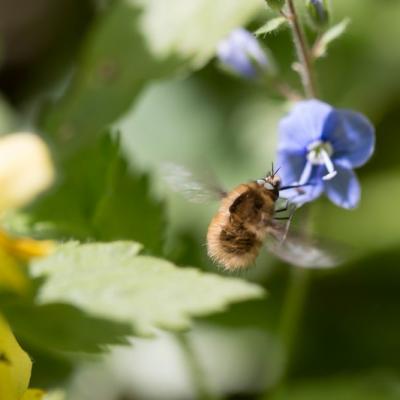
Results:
237 231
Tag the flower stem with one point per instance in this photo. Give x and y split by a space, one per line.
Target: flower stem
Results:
292 311
288 329
302 49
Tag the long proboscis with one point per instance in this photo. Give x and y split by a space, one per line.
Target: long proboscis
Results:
295 186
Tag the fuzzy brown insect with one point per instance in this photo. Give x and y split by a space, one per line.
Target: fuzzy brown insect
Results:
242 223
247 219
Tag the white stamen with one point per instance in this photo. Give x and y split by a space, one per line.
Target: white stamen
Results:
329 166
319 153
305 175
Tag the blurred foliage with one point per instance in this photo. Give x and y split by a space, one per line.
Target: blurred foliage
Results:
100 197
140 68
372 386
146 291
58 328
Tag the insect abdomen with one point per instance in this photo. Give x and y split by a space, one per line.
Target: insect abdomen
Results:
237 231
235 242
234 248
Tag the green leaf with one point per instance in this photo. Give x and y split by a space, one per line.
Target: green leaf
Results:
101 198
183 27
321 47
63 328
130 45
113 281
271 26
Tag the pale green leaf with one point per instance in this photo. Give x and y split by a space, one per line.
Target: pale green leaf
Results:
155 39
192 29
114 281
321 47
271 26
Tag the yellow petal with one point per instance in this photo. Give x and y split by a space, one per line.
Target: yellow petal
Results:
33 394
15 365
25 169
12 276
25 248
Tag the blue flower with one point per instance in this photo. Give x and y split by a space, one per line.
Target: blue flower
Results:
321 145
241 53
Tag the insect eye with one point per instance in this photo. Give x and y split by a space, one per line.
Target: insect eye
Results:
269 186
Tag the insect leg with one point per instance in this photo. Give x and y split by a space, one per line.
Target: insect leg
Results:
284 208
285 230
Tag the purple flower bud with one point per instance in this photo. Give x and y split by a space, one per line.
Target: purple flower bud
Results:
318 12
241 53
320 145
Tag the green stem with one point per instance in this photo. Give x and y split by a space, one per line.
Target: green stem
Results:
292 311
196 371
303 50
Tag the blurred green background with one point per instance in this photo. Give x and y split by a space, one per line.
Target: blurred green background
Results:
143 70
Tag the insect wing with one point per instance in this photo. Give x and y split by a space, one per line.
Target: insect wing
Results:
305 252
182 181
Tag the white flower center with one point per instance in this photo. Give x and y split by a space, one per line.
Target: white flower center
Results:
319 153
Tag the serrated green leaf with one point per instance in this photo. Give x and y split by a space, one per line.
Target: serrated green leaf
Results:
130 45
113 281
271 26
61 327
321 47
192 29
102 198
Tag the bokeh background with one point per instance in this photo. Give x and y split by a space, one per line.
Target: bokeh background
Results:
143 71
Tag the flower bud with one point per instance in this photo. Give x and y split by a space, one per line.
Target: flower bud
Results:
276 4
318 12
26 169
241 54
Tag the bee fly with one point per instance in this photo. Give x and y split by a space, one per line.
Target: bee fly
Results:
246 216
246 219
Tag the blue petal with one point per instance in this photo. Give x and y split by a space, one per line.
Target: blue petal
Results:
307 194
353 138
291 166
305 124
240 51
343 190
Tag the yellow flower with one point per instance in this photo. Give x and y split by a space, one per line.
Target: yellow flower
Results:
15 365
25 171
